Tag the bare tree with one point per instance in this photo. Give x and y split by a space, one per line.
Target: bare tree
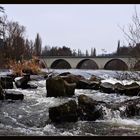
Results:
132 36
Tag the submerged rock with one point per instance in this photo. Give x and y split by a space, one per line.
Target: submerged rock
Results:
66 112
107 87
56 87
87 108
6 82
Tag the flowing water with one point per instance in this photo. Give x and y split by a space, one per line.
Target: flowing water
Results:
30 117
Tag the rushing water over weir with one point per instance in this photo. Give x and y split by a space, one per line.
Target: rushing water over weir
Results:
31 116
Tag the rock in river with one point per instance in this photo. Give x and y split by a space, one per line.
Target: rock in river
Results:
66 112
86 84
23 82
119 88
87 108
57 87
14 95
107 87
132 89
6 82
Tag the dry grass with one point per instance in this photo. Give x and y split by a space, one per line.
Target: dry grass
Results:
20 67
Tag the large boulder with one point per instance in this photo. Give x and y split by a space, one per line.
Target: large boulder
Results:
57 87
6 82
66 112
132 89
107 87
87 108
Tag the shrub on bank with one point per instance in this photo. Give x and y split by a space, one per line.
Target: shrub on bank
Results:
25 66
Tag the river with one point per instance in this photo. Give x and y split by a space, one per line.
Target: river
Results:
30 116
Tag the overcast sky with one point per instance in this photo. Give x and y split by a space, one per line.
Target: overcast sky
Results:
74 25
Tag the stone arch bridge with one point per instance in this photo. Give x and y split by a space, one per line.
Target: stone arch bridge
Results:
110 63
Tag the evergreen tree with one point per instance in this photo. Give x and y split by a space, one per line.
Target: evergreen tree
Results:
118 48
37 45
87 54
91 52
94 52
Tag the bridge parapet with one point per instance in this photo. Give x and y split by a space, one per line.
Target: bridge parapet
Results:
100 61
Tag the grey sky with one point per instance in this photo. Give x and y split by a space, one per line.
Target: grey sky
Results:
76 26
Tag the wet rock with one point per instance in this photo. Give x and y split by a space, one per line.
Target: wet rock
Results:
119 88
23 82
95 78
128 108
86 84
64 74
132 89
13 76
81 82
73 78
66 112
87 108
107 87
14 95
6 82
57 87
1 93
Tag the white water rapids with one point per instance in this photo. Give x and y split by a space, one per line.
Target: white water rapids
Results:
30 116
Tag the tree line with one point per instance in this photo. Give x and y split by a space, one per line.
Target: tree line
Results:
13 43
66 51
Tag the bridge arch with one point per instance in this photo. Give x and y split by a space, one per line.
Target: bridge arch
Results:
87 64
137 65
116 64
60 64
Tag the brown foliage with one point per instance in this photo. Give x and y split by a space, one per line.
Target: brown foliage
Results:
20 67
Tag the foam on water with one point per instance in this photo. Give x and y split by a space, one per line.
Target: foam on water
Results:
30 116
